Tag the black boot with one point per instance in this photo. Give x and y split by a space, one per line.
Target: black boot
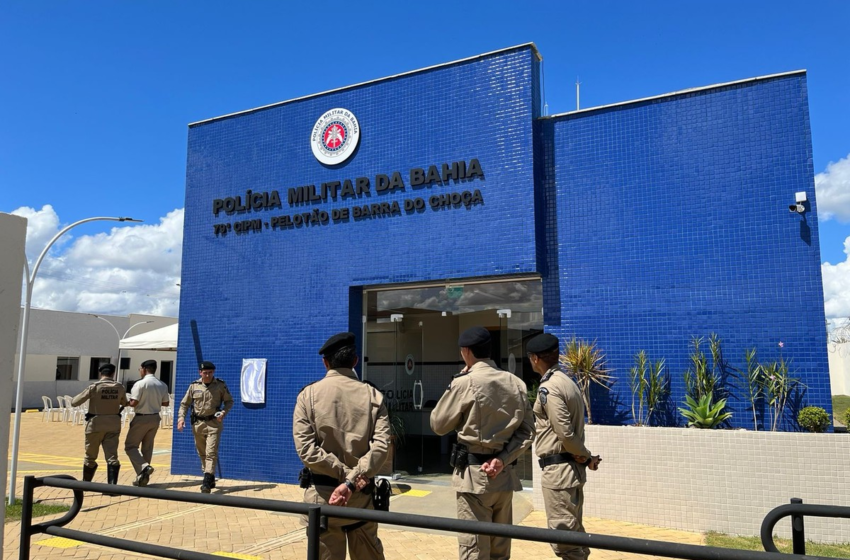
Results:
112 473
88 473
208 483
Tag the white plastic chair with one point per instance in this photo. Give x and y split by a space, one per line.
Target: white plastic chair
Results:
69 408
127 414
49 411
62 407
83 410
166 416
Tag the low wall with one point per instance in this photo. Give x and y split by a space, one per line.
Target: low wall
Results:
714 480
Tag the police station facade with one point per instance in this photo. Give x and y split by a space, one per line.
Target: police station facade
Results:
409 208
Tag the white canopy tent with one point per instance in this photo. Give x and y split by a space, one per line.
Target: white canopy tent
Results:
158 339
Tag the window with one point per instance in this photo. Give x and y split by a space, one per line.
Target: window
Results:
95 366
67 369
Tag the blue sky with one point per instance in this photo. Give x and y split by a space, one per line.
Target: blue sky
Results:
97 97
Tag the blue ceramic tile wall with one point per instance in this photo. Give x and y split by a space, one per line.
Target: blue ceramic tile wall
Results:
671 221
280 294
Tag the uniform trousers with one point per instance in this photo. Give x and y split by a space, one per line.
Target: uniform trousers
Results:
564 511
207 437
363 542
495 507
142 432
102 431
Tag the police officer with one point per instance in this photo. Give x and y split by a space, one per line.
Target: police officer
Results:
489 408
342 434
210 401
564 459
148 396
103 422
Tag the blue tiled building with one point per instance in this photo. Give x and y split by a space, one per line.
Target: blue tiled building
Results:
639 226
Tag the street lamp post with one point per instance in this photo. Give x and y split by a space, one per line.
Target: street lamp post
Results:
25 320
120 338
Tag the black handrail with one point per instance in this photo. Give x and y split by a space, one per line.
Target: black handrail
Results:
315 512
797 510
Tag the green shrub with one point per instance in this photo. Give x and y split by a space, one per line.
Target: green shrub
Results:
813 419
847 417
704 414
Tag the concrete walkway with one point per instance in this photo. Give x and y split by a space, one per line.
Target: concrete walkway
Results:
56 448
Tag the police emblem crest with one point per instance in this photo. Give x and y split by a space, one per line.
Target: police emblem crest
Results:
543 394
335 136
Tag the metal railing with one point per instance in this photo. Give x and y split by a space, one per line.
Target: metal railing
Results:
315 513
797 510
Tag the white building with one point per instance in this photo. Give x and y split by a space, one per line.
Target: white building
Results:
64 351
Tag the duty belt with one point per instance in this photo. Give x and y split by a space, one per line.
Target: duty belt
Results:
323 480
478 459
557 459
89 415
204 418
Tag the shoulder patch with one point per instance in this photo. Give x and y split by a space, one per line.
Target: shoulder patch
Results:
305 386
543 394
455 376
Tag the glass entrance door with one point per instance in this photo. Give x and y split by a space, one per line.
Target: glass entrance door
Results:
411 353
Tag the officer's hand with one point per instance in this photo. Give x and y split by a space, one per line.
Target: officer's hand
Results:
362 482
180 424
340 495
219 416
493 467
593 463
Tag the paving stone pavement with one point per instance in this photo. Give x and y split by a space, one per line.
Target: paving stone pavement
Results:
53 447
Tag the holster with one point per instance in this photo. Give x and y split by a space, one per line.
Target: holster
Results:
193 418
459 458
305 478
89 416
382 491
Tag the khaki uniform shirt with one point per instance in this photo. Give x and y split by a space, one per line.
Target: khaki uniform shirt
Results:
559 419
206 399
341 427
489 408
106 397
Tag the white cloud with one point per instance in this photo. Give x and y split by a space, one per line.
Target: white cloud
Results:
833 191
836 287
130 269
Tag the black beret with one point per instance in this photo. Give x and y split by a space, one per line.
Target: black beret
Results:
108 369
473 336
149 363
542 343
337 341
206 365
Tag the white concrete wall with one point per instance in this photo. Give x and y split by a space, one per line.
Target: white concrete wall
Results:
79 335
13 232
839 369
715 480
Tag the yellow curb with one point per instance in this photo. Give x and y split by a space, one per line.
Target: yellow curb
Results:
59 542
237 555
414 493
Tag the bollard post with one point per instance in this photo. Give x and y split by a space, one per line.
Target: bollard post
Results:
26 518
798 533
314 515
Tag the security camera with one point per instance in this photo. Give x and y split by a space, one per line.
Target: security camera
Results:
798 208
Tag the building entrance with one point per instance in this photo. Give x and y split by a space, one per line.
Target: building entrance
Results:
411 353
